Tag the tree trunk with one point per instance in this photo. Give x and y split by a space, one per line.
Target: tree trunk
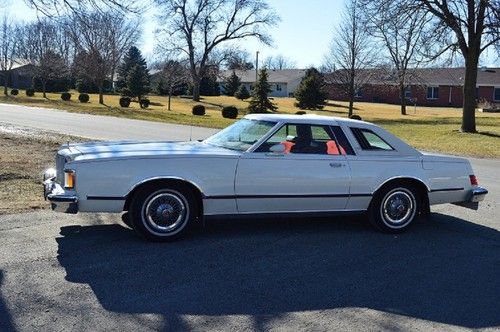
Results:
196 90
403 99
5 82
44 84
101 96
351 96
169 98
469 106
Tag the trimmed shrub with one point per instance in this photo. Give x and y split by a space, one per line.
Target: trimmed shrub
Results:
66 96
83 98
14 92
355 117
30 92
229 112
124 101
144 102
301 112
198 110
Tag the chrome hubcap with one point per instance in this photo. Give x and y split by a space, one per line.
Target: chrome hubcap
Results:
165 212
398 207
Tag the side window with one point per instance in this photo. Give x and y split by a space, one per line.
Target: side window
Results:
303 139
342 140
368 140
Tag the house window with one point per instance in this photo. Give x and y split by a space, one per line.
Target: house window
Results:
432 92
408 92
358 93
251 87
496 94
278 87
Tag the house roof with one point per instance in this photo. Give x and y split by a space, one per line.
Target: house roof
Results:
274 76
426 76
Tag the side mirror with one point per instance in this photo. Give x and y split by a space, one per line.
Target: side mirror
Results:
277 148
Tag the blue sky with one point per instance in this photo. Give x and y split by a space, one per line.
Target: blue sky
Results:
303 35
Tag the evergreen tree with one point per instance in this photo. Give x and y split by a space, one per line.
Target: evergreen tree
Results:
310 93
137 82
259 102
242 92
231 84
133 58
209 85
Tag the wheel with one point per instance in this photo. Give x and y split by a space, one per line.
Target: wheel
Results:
126 219
394 208
162 213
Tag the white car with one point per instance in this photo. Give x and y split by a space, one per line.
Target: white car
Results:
261 165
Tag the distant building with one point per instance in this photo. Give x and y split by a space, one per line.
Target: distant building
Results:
427 86
21 77
283 82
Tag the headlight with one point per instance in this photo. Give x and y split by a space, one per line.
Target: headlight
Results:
69 179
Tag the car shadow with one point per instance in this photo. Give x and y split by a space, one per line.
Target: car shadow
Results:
444 270
5 318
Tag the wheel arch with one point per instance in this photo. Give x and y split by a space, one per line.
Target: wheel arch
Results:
422 188
167 181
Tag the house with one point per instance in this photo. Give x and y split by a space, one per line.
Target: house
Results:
425 87
283 82
21 77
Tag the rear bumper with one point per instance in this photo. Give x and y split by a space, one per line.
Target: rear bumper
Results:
60 200
476 195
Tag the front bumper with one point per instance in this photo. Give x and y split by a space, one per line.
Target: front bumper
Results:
476 195
60 200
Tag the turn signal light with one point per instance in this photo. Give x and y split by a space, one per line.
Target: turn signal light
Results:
69 179
473 180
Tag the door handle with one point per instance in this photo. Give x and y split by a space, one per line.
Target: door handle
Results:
336 165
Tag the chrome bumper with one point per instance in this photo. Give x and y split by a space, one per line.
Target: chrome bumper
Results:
477 195
60 200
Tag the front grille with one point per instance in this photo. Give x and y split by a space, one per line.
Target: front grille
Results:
60 161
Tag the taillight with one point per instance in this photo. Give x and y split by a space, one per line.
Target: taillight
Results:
473 180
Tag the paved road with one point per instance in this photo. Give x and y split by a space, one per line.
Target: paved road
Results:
96 127
90 272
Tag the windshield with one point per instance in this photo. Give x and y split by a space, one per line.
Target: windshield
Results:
241 135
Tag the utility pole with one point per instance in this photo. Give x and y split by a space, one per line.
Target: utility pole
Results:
256 66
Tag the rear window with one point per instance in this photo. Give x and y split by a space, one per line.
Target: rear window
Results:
368 140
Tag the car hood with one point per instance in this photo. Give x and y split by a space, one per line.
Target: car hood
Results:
131 149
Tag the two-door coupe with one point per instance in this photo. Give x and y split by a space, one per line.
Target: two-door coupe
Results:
261 165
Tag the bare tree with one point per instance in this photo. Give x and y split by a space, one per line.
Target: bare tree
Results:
45 45
404 35
101 38
279 62
123 34
8 49
54 8
197 28
473 27
173 76
351 53
239 60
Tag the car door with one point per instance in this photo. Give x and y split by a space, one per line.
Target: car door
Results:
293 181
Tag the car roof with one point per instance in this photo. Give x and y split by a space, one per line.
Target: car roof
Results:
302 118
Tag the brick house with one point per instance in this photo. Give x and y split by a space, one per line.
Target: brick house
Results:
283 82
427 87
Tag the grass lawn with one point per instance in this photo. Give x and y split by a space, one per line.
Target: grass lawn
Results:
426 128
